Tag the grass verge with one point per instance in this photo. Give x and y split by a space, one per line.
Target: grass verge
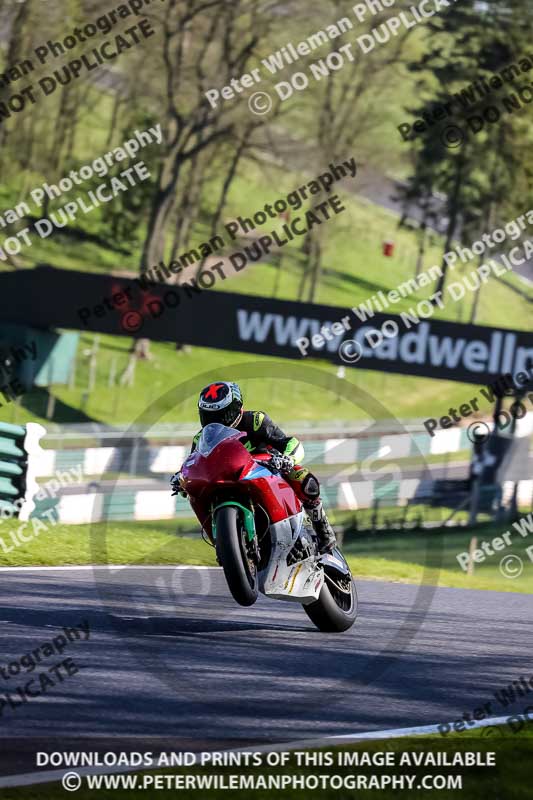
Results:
422 557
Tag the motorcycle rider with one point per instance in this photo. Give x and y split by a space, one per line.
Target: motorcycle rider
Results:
222 402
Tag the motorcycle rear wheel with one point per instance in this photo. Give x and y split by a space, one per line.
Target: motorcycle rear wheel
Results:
240 573
335 610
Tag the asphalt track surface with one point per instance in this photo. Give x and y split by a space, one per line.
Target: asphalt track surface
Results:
171 656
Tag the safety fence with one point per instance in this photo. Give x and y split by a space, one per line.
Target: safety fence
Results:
382 473
137 455
405 497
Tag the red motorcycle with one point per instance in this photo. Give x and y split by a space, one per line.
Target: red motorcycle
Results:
263 539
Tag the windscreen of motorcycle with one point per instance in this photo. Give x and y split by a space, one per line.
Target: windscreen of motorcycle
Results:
213 434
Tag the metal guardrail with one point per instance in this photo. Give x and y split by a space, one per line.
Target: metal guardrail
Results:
61 435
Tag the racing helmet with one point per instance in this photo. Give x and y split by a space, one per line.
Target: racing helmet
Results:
222 403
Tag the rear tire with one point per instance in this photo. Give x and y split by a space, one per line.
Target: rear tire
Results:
329 615
241 576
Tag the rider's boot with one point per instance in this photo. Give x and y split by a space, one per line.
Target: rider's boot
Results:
324 531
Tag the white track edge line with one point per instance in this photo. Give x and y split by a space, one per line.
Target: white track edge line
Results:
29 779
85 567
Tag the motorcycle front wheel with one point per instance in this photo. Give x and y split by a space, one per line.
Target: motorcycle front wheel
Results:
232 552
336 608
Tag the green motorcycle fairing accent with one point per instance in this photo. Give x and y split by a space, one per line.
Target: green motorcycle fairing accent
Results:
249 522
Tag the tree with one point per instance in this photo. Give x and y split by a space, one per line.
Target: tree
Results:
468 43
204 45
341 113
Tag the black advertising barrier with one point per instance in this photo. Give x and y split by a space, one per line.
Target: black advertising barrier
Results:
47 297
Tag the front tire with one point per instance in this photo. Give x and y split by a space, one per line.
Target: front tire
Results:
335 610
239 570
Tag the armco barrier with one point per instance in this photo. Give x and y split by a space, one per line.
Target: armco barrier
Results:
136 457
19 455
142 459
126 503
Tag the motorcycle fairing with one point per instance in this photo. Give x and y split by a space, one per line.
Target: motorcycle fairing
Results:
257 472
213 434
300 582
222 472
221 465
335 561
